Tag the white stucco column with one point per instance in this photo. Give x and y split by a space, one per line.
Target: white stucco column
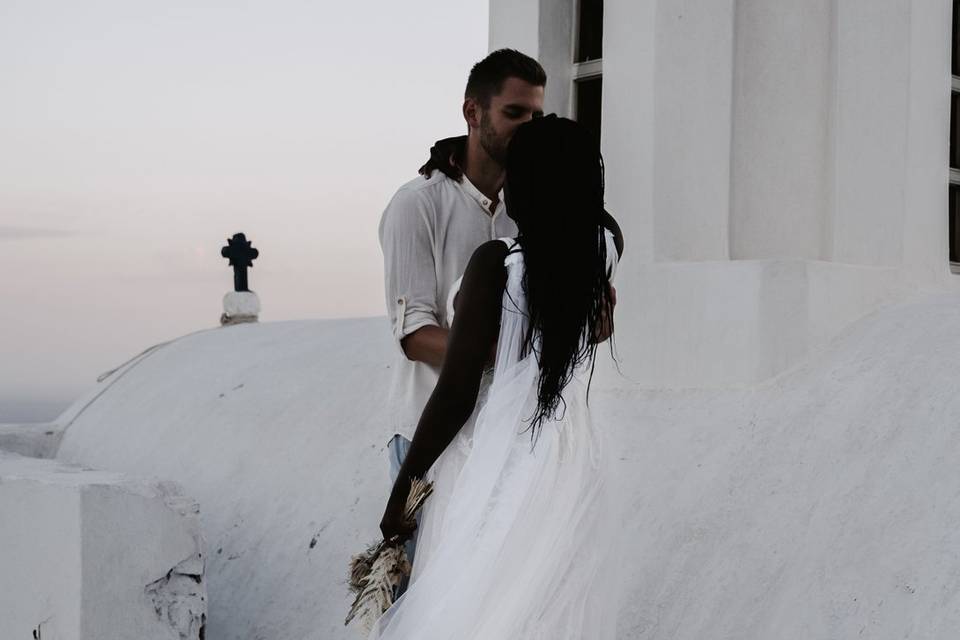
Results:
870 132
924 227
781 157
692 96
627 135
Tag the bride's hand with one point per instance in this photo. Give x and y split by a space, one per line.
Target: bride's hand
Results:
393 525
605 329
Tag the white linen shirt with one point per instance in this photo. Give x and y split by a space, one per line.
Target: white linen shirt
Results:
428 232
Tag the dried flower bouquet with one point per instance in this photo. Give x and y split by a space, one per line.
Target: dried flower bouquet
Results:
378 571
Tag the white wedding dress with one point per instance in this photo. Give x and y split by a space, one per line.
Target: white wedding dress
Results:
516 544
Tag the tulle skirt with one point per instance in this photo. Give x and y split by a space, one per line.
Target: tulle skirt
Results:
519 541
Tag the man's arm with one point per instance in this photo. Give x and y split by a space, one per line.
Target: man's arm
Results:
410 279
427 344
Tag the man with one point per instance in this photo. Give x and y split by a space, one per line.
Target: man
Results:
434 223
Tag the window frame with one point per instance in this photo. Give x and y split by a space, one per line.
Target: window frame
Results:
580 71
954 180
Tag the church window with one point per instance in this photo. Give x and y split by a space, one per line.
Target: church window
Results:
588 92
589 30
588 65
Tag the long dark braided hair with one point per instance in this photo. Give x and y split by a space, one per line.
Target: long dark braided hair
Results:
554 190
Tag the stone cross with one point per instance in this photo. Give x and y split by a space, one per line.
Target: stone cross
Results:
241 256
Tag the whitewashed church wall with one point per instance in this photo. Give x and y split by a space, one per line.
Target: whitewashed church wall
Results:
747 129
628 134
705 324
780 158
839 294
870 136
39 539
758 131
89 554
924 226
692 111
555 51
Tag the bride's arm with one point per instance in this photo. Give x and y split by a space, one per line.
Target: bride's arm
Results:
609 222
475 328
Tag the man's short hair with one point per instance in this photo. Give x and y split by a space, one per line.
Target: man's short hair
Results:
487 76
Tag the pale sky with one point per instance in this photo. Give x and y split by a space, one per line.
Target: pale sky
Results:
137 135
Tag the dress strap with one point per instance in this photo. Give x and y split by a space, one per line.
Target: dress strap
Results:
513 250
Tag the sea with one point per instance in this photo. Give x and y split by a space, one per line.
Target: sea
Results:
18 410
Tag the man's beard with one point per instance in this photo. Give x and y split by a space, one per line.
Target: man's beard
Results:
491 142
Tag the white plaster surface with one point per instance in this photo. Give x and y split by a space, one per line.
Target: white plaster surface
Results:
692 101
924 228
780 157
555 50
763 130
734 323
32 439
872 97
241 304
627 136
80 550
277 429
819 505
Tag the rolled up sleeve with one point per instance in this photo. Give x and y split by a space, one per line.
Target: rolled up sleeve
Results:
410 274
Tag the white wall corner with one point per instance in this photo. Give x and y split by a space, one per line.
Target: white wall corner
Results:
728 324
94 554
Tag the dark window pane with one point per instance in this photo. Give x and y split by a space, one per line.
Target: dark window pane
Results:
956 54
954 223
589 31
588 104
955 130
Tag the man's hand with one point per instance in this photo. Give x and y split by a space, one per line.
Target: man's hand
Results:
605 329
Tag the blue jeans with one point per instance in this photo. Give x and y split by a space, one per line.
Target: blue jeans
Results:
397 449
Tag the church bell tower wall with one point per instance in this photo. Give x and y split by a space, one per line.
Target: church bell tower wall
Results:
739 135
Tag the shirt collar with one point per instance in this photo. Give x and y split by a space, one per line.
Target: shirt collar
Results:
477 195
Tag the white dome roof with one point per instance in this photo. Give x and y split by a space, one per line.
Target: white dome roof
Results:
277 430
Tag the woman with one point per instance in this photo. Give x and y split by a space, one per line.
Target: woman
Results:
524 546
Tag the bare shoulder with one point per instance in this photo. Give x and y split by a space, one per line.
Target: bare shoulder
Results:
486 263
490 252
485 274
